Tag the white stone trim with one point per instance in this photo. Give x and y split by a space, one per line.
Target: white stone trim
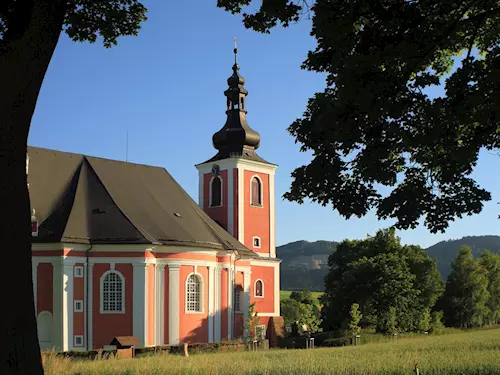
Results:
173 303
76 303
238 162
67 306
255 289
140 303
221 192
201 296
230 201
88 308
78 272
247 280
261 191
161 302
211 304
218 308
241 205
101 292
253 242
268 314
272 218
82 342
230 294
277 289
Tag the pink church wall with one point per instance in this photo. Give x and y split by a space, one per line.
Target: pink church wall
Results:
44 295
78 294
216 213
193 326
266 274
257 219
107 326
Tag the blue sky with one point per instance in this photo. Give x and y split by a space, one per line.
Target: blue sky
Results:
166 85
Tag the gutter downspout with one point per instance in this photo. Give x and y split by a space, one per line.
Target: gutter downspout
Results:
87 344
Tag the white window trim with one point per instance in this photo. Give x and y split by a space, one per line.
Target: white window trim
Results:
260 326
261 191
253 242
202 285
101 292
74 341
78 268
255 288
81 304
221 191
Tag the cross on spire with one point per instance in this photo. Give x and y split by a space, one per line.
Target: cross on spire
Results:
235 51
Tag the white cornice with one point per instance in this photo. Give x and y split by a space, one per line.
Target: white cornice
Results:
238 163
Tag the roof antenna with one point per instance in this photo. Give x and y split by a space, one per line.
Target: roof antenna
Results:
235 51
126 148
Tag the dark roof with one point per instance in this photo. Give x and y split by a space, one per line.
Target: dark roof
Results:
125 341
247 154
84 199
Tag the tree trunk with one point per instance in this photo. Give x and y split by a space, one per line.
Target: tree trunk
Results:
25 54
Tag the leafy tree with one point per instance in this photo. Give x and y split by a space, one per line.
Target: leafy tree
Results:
387 321
491 263
436 322
250 323
29 33
466 293
379 273
302 296
290 311
308 322
424 323
355 316
377 123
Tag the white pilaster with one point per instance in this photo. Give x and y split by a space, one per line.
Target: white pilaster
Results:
57 306
247 281
89 309
217 307
277 289
67 305
241 205
230 200
272 219
230 316
173 303
140 303
161 302
211 302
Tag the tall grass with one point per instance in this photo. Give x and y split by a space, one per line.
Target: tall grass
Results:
472 353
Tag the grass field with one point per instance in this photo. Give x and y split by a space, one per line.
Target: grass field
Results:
285 294
471 353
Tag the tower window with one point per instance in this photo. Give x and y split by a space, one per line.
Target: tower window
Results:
256 242
256 192
216 192
259 289
242 103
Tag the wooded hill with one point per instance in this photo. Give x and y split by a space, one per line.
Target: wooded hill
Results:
305 263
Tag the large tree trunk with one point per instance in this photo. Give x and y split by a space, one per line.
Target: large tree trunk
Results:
25 53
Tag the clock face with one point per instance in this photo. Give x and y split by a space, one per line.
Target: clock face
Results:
215 170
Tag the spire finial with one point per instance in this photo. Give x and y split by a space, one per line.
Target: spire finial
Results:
235 51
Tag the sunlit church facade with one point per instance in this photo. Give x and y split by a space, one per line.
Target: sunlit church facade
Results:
120 249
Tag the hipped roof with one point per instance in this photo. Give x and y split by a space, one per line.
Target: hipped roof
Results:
85 199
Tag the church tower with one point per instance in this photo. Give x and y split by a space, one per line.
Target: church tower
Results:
236 186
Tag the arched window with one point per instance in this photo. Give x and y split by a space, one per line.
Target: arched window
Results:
238 292
194 293
256 199
216 192
112 292
259 289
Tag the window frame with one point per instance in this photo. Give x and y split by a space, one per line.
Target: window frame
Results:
78 345
101 295
201 294
210 195
261 191
78 272
239 295
253 242
75 303
255 288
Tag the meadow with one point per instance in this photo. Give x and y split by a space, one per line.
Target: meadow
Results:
285 294
469 353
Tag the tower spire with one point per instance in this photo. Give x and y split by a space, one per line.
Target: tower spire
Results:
235 51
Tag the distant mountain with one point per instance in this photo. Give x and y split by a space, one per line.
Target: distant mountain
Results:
305 263
446 251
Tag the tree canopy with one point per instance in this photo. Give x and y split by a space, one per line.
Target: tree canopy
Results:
381 121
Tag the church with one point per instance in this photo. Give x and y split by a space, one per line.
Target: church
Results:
120 249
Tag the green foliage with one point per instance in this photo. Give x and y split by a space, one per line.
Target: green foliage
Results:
491 263
424 322
250 323
387 321
466 293
290 311
303 296
355 315
378 121
379 273
309 321
437 325
301 313
83 21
